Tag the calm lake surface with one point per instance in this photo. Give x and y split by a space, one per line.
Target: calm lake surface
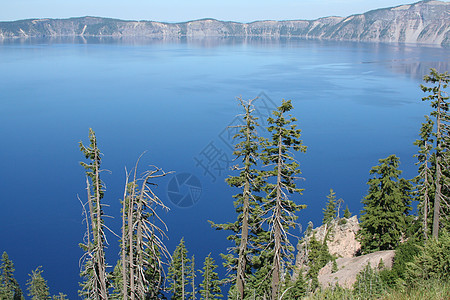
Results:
355 103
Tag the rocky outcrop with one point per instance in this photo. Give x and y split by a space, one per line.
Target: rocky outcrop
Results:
341 238
348 268
425 22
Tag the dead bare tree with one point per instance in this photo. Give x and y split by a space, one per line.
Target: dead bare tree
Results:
143 232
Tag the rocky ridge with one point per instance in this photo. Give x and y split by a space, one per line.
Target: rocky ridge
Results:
424 22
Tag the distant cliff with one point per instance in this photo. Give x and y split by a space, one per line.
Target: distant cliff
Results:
425 22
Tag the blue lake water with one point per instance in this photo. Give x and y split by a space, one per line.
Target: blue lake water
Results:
355 103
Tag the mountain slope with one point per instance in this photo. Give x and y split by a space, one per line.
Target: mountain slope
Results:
425 22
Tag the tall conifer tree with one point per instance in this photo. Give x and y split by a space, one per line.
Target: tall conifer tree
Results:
37 285
191 276
179 272
209 288
95 285
439 102
329 212
424 180
278 153
248 235
385 214
9 287
347 213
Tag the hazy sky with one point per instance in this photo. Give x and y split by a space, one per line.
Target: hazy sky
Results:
183 10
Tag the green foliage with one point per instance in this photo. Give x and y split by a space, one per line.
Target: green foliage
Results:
427 289
247 235
334 268
296 290
153 274
258 285
385 217
381 265
179 272
424 180
93 154
115 278
432 261
389 278
368 284
347 213
403 255
318 257
191 276
60 296
37 286
330 211
9 287
435 179
209 288
93 271
332 293
280 184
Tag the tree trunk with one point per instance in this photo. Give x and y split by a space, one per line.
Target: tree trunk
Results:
438 192
277 227
426 198
141 282
124 244
100 256
182 276
131 263
242 260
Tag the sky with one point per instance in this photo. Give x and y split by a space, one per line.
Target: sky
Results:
182 10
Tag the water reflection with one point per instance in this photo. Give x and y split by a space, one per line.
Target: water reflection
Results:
411 60
419 69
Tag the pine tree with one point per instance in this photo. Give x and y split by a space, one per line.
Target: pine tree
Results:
347 213
9 287
297 290
368 284
424 180
247 234
191 276
179 272
278 153
318 257
94 264
385 214
334 267
37 286
138 274
210 288
439 102
432 261
329 212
